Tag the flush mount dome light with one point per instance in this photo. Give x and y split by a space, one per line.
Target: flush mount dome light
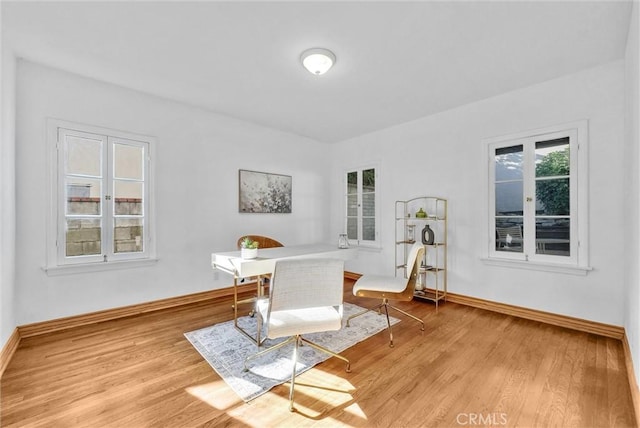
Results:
318 60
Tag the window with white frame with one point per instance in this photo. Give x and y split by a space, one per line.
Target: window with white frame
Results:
537 196
100 190
361 201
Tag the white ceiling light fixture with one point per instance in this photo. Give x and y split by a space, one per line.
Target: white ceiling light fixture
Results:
318 60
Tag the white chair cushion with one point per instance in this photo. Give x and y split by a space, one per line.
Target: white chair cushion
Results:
305 297
380 283
301 321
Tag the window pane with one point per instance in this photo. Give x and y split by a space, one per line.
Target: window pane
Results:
128 197
508 163
352 182
128 161
509 234
83 196
369 204
83 237
552 158
361 205
552 236
369 229
509 199
352 228
83 156
127 235
552 196
369 180
352 205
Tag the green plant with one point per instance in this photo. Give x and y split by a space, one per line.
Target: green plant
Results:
249 243
553 194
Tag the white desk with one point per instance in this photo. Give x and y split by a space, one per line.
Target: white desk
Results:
231 263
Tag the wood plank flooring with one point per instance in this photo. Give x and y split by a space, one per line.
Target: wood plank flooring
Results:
470 367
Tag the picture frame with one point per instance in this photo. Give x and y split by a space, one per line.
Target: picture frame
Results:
264 192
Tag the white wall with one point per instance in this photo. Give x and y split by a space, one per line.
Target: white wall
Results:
7 195
632 190
197 158
442 155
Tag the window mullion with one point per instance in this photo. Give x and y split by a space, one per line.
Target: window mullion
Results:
61 241
573 192
360 202
491 183
108 200
529 203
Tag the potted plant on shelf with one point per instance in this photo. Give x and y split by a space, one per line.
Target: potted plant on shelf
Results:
248 248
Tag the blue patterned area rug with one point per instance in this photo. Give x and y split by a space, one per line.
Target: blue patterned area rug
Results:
225 349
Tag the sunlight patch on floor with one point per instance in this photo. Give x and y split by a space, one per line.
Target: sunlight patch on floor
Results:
259 413
215 394
355 410
276 412
317 393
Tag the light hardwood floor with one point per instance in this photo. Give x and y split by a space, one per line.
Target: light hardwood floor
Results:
470 367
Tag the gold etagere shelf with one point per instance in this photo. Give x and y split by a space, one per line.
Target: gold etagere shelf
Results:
424 219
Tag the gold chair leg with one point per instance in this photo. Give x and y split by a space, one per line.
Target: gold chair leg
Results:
294 361
299 340
386 312
409 315
386 305
327 351
272 348
364 312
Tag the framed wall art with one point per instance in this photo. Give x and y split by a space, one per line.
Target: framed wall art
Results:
263 192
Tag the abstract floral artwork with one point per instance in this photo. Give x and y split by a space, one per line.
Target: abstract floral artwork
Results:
261 192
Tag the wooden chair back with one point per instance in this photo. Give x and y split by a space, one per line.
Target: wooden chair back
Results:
263 241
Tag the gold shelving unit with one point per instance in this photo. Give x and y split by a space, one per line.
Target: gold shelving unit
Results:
431 211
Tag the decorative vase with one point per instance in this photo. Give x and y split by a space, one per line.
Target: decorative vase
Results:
411 236
421 213
343 241
248 253
427 235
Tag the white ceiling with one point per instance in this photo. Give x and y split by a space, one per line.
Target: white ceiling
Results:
396 61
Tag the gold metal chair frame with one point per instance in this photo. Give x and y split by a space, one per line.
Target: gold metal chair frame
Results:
321 290
298 339
406 295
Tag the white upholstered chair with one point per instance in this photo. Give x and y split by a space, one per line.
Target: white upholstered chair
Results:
391 288
306 296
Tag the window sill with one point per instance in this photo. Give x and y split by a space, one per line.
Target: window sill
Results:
546 267
98 267
367 247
